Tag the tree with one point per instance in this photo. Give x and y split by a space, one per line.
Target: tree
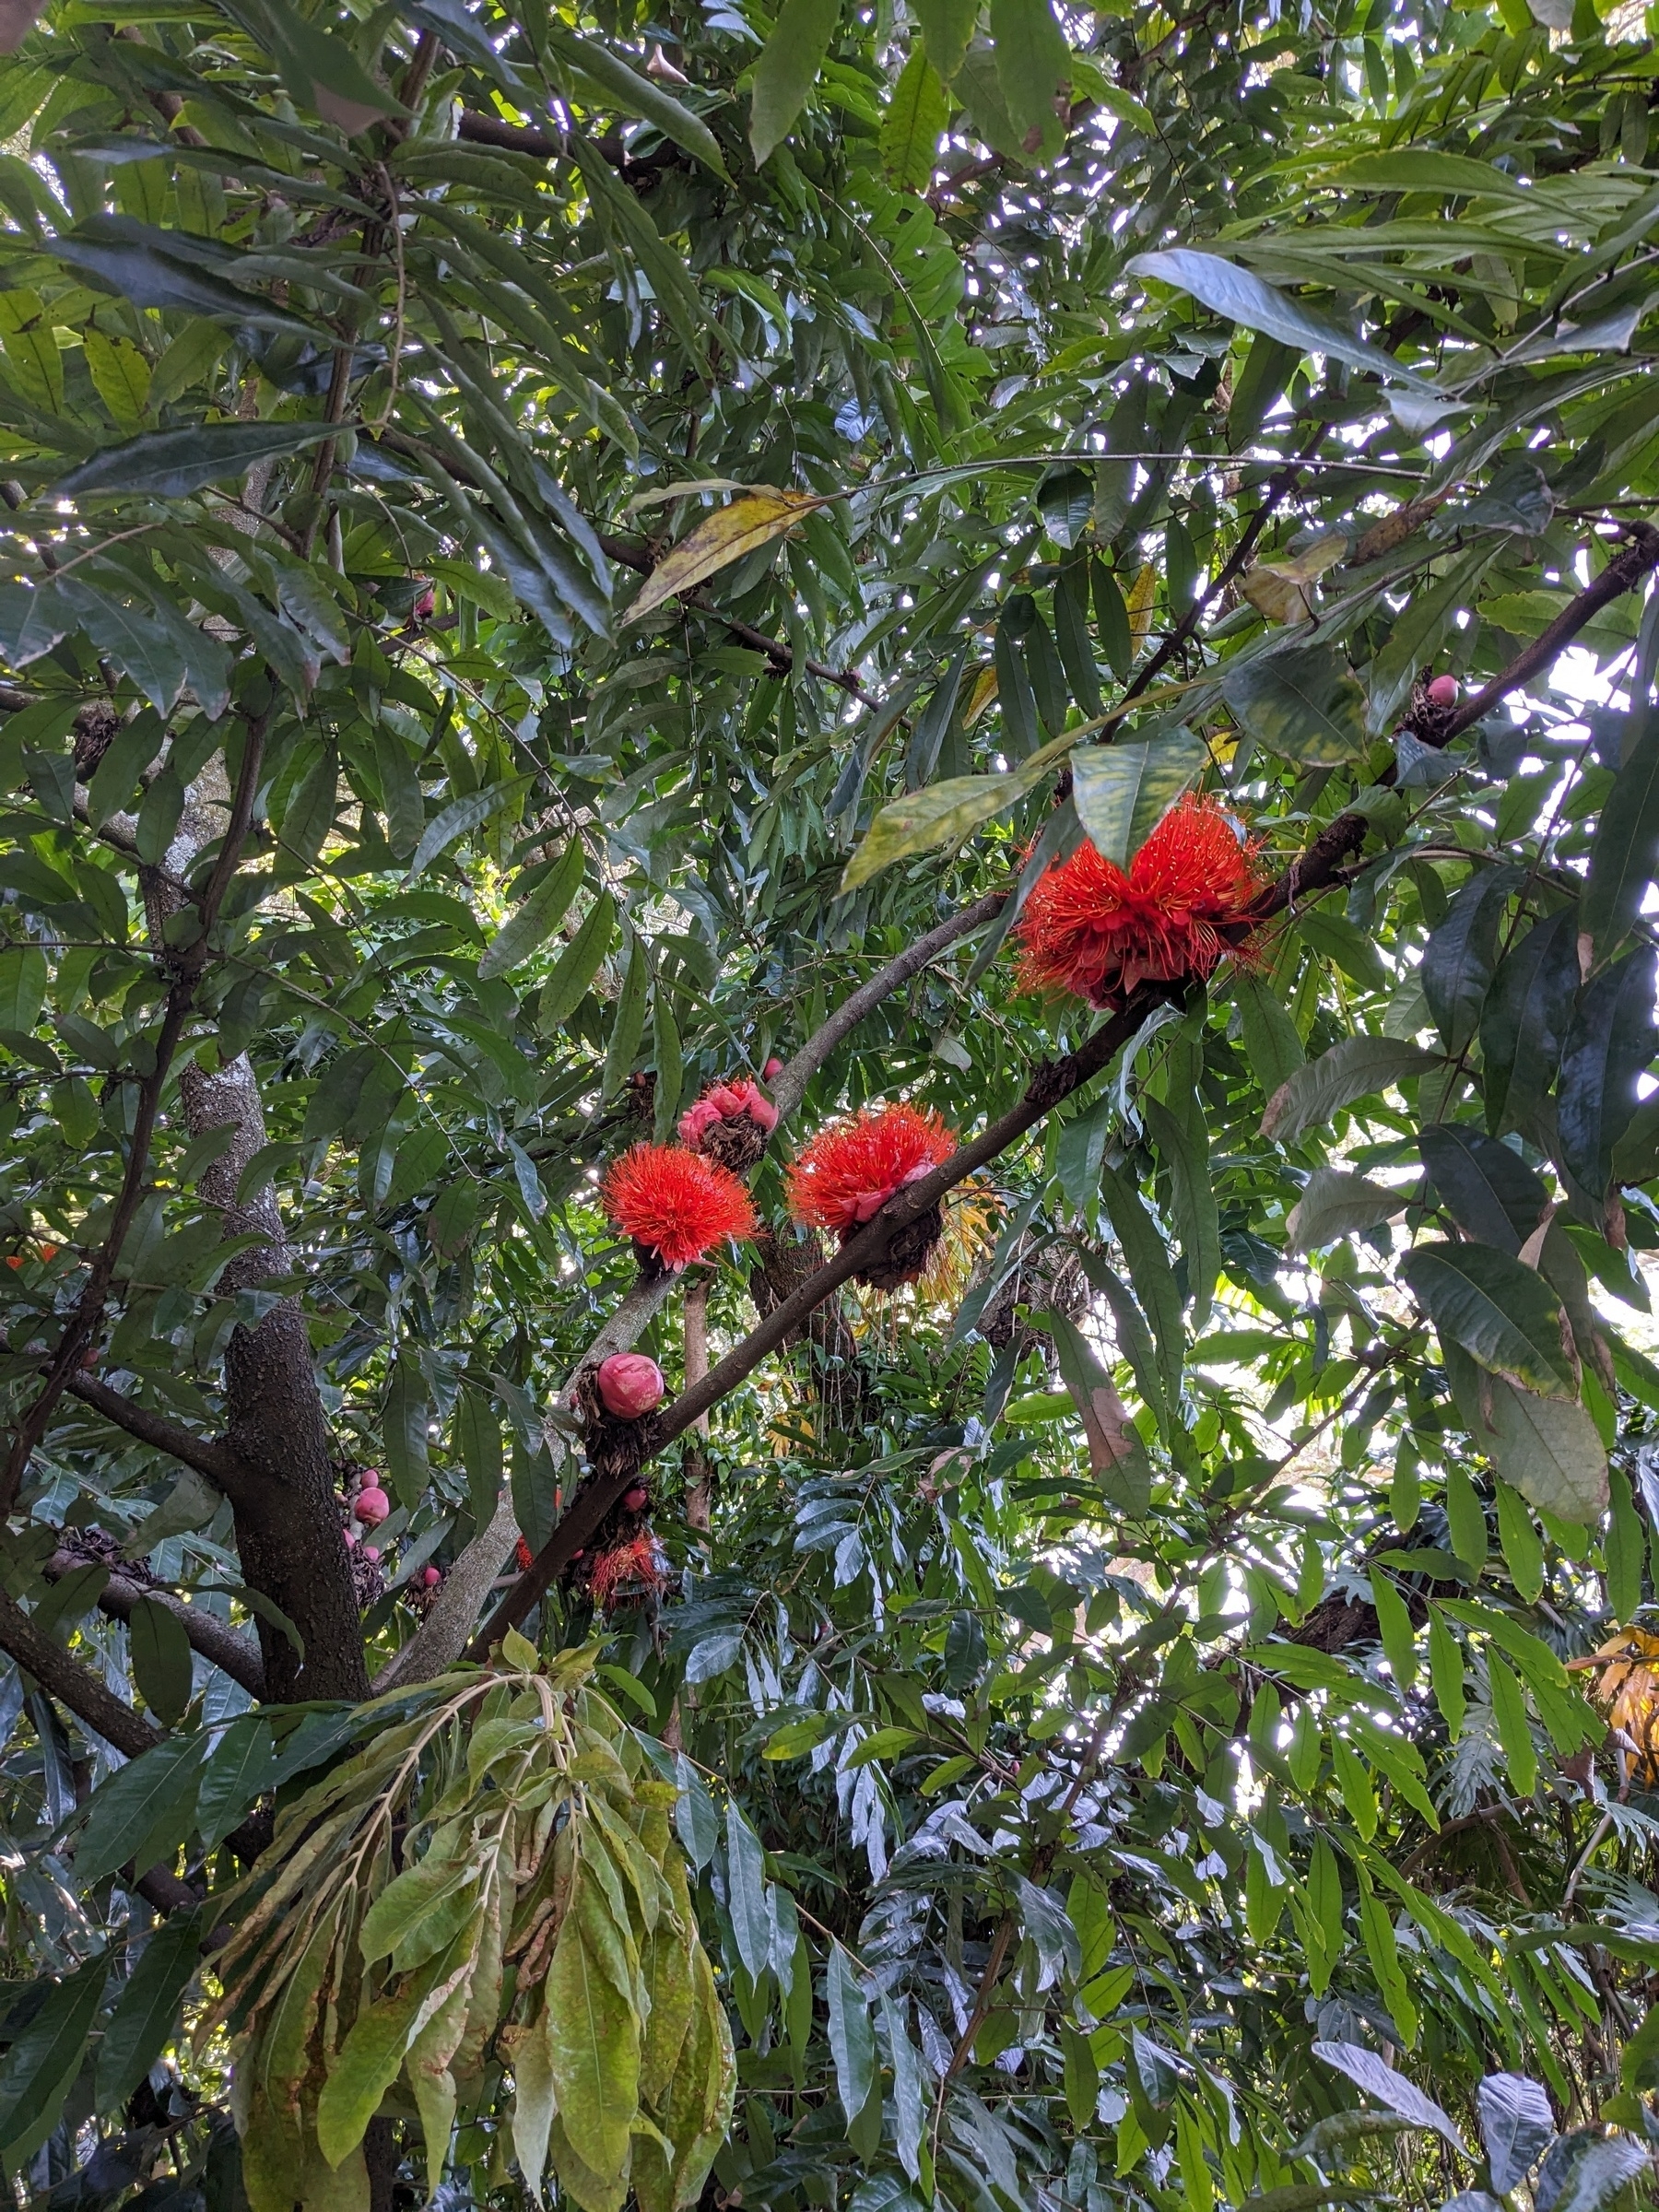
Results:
563 566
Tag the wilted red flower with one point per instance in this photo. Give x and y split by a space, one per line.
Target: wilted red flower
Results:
674 1203
850 1170
523 1556
638 1561
1095 933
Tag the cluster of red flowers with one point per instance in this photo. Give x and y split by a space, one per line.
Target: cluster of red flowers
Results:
1096 932
850 1170
637 1561
675 1202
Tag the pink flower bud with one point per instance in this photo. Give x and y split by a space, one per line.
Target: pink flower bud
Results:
1443 691
371 1506
636 1499
372 1551
762 1112
430 1578
772 1070
629 1386
351 1536
727 1102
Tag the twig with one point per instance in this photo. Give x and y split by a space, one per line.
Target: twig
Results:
216 1461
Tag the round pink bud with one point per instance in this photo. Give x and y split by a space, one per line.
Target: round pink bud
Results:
727 1103
629 1386
430 1578
696 1119
636 1499
351 1536
372 1551
762 1112
1443 691
772 1070
371 1506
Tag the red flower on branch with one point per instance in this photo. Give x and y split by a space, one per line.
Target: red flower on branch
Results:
675 1204
848 1172
637 1563
1092 932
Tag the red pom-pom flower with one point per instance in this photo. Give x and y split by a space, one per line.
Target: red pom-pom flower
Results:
674 1203
849 1171
635 1566
1093 932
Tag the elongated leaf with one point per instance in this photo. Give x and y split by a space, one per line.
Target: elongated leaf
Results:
1380 2080
745 1893
145 2016
1585 2169
1358 1067
1227 290
638 95
541 913
1625 856
592 2038
1147 1261
1115 1450
783 75
718 540
464 814
852 2037
149 266
1610 1046
170 465
913 124
1461 953
1123 791
1183 1147
1498 1309
944 814
1526 1016
1549 1448
161 1659
126 1811
362 2071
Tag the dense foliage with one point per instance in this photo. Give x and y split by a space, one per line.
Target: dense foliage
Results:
554 562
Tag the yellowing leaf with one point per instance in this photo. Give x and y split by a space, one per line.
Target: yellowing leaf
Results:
1278 589
1143 592
945 813
981 692
719 540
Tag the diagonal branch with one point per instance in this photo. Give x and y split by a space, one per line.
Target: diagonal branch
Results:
64 1677
215 1460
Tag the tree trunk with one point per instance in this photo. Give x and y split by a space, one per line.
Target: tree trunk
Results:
287 1527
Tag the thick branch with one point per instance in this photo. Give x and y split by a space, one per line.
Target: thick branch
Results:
204 1631
64 1677
202 1453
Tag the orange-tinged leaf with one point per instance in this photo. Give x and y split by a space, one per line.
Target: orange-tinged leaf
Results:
722 538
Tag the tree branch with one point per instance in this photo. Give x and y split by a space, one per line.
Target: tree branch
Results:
1051 1083
64 1677
204 1453
216 1639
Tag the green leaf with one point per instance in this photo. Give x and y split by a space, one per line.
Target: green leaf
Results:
462 815
627 1023
746 1892
361 2071
1271 1044
1227 290
1115 1450
121 376
404 1429
22 987
1183 1147
1486 1186
1123 792
577 965
1610 1046
161 1659
1301 702
1461 953
1525 1019
1334 1203
1393 1624
1356 1068
1514 1731
944 814
788 63
1624 854
43 2059
476 1440
1548 1447
238 1774
913 125
1624 1548
1518 1539
533 922
639 95
947 27
852 2037
170 465
1033 72
1147 1260
1446 1673
145 2016
592 2036
150 1797
1498 1309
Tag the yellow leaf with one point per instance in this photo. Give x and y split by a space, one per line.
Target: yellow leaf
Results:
983 692
719 540
1140 600
944 814
1279 590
